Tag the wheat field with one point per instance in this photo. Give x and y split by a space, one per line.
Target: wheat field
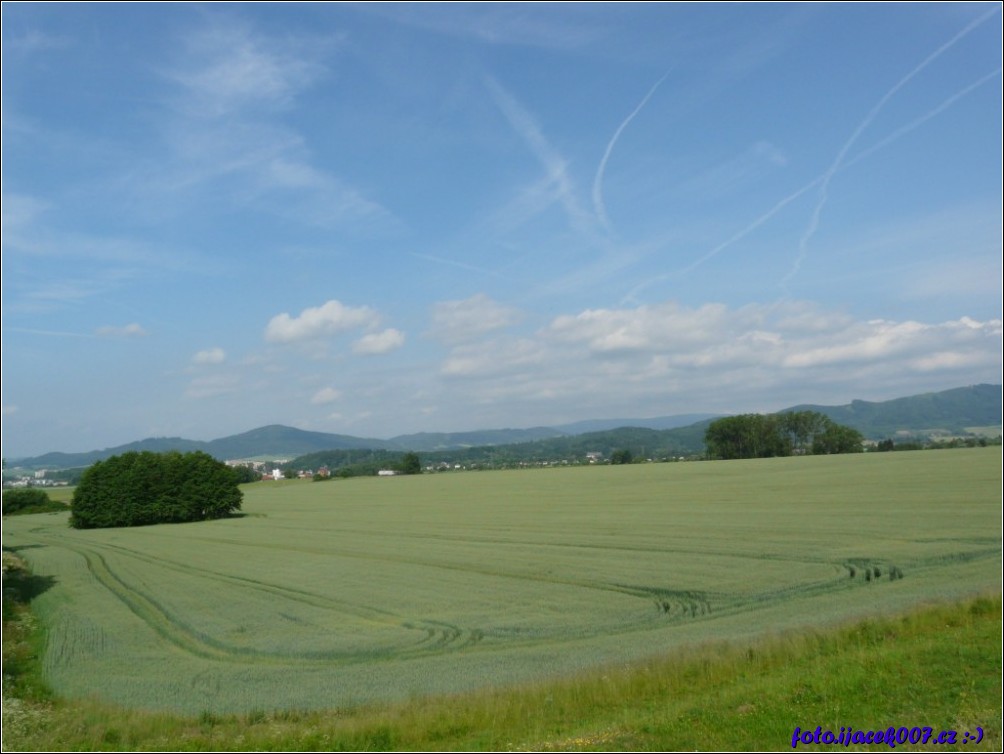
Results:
335 594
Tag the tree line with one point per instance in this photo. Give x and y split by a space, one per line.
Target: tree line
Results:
775 435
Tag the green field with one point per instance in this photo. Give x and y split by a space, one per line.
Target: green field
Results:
335 594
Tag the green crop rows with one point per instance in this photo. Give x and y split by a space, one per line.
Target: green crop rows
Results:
335 594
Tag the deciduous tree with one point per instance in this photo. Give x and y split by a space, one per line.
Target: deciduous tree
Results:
769 435
135 489
838 439
411 464
621 456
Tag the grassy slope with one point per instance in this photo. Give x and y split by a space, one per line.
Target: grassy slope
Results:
318 594
550 587
940 668
937 666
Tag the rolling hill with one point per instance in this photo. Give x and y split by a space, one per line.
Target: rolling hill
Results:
433 441
274 441
949 412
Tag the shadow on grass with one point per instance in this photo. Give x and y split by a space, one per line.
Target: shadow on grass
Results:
23 587
20 585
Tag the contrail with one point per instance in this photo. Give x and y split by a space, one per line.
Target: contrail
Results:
554 164
887 141
460 265
902 130
725 244
601 211
50 333
894 136
810 231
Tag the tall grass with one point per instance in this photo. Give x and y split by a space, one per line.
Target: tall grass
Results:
937 666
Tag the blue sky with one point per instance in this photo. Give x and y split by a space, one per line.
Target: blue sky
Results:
378 219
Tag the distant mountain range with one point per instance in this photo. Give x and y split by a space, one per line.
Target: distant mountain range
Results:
274 441
435 441
947 412
277 441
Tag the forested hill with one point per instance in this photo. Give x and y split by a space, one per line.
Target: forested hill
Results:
274 441
950 412
641 442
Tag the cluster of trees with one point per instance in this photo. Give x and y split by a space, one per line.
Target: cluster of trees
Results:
135 489
621 456
770 435
410 464
29 500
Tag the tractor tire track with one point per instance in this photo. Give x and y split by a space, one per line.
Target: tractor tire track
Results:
436 637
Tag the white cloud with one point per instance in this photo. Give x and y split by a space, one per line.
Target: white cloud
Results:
326 395
863 342
227 131
228 67
8 410
133 330
788 336
920 345
646 328
456 322
494 358
757 357
331 318
379 342
210 356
